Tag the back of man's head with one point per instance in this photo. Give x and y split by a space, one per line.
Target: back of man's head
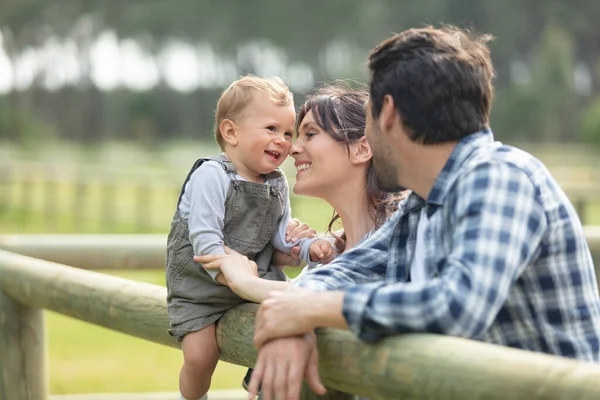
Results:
440 80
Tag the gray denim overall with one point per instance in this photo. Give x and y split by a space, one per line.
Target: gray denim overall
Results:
252 213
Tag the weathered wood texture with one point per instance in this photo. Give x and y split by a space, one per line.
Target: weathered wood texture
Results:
212 395
127 251
415 366
124 305
90 251
22 351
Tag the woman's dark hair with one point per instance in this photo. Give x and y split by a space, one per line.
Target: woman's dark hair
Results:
340 111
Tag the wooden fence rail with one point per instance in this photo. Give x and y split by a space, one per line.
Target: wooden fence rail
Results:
412 366
137 251
85 198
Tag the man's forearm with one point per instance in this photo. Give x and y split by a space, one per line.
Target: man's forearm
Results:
325 310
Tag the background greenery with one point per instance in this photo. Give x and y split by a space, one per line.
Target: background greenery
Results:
77 156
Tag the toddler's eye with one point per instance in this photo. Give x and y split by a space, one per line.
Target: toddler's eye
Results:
272 128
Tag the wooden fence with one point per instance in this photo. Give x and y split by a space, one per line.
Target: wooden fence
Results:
55 198
412 366
136 251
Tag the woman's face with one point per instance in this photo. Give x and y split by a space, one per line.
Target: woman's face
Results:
322 164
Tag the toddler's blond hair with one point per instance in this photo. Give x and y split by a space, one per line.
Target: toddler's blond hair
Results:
240 93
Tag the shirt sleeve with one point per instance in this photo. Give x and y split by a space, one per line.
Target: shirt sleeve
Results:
497 227
278 240
205 193
365 262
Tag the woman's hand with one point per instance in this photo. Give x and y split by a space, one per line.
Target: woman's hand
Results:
281 259
297 230
236 269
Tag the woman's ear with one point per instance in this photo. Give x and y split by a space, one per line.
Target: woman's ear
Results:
360 151
228 130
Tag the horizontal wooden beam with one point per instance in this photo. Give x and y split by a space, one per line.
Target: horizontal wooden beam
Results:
124 305
212 395
411 366
135 251
92 251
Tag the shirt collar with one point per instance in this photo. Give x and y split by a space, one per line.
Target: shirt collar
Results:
465 147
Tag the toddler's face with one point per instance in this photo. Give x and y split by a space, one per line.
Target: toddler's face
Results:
265 135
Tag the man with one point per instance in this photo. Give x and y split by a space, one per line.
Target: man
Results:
486 247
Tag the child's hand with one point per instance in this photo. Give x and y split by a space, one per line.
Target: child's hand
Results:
321 250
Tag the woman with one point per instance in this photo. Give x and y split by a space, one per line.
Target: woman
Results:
333 162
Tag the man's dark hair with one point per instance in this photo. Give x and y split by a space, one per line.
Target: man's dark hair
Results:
440 80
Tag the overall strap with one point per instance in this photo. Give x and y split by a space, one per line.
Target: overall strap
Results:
276 174
228 167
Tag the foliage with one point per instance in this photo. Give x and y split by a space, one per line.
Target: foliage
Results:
552 41
590 126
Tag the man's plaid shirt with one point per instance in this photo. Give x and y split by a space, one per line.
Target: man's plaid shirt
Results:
506 257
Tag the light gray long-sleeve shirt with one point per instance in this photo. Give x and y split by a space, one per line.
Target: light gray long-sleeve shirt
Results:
202 206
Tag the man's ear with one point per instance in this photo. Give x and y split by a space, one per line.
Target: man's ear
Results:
228 130
360 151
388 116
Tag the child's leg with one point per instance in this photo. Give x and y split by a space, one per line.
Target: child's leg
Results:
200 356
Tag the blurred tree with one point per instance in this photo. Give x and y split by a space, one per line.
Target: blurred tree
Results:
551 40
590 125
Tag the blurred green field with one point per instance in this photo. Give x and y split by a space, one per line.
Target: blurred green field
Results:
84 358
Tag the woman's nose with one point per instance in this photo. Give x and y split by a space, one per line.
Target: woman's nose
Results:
295 150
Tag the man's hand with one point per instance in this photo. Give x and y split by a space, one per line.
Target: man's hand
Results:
284 313
322 251
296 311
281 365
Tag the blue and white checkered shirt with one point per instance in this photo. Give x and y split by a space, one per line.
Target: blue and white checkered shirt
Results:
505 255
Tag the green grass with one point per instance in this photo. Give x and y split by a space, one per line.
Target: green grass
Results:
85 358
67 207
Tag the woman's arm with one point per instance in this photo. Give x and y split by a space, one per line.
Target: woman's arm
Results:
257 289
240 274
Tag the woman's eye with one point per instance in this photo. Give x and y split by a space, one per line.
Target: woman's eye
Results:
309 134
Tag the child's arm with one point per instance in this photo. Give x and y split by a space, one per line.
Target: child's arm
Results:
205 195
278 240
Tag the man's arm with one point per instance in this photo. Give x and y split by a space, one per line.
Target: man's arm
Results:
499 223
301 309
365 262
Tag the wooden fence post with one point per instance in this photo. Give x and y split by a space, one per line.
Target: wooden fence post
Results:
22 351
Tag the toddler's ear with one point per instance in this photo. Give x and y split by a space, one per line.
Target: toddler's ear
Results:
228 130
